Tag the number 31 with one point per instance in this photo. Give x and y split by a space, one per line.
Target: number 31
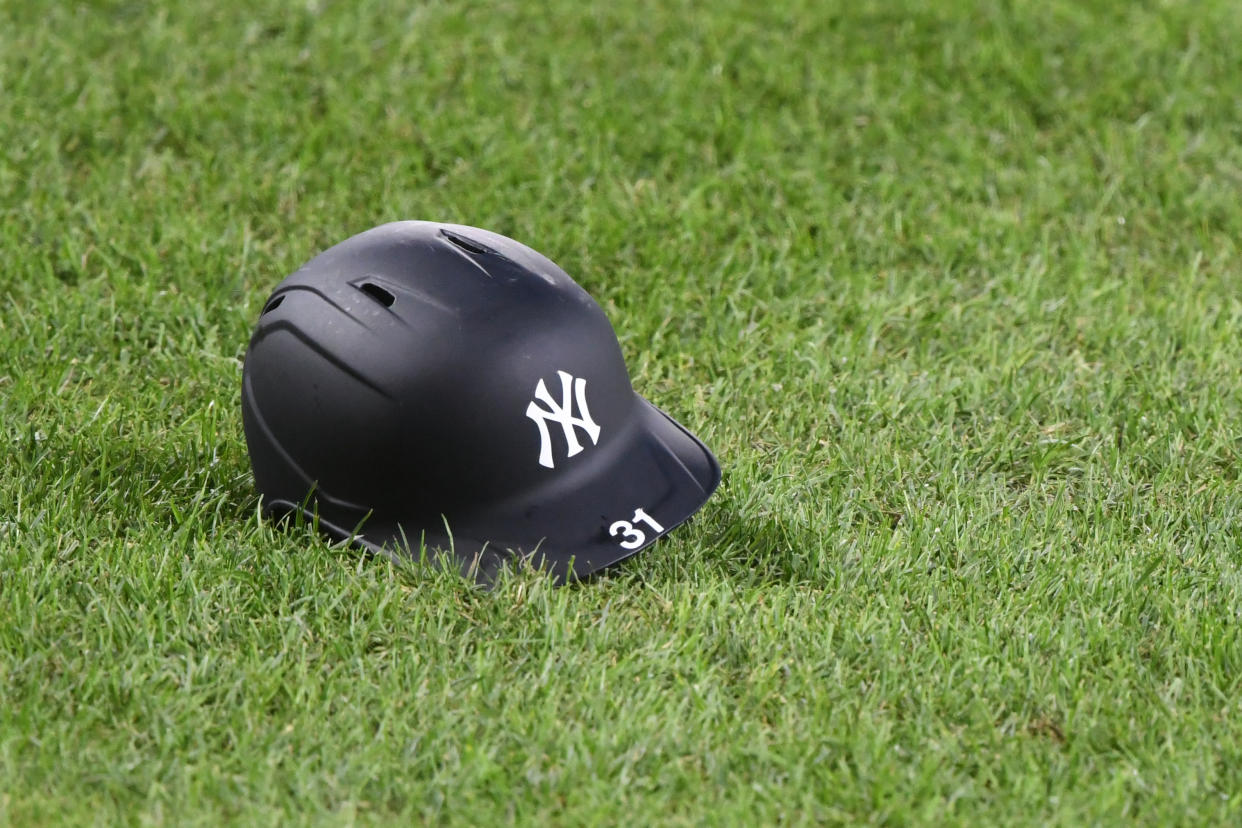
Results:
634 538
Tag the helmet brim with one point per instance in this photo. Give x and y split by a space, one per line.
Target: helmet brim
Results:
657 479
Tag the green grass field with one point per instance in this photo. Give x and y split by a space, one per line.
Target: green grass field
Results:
952 289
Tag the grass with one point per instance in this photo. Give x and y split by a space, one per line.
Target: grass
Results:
951 288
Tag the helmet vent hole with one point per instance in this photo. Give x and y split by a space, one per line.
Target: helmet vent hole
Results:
273 305
377 293
465 243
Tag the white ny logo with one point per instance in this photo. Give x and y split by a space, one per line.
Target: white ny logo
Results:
563 414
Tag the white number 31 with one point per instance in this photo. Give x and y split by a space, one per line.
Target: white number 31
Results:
634 538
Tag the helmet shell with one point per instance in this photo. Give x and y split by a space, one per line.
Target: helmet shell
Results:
426 384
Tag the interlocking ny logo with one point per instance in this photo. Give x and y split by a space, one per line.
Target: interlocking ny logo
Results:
562 414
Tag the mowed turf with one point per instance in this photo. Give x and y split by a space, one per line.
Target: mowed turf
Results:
952 289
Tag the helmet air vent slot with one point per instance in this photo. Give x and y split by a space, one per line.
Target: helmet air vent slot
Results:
273 304
465 243
377 293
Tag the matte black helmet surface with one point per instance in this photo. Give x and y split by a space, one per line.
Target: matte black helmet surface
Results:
443 386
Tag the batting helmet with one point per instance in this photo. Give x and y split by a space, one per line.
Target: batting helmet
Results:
441 387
